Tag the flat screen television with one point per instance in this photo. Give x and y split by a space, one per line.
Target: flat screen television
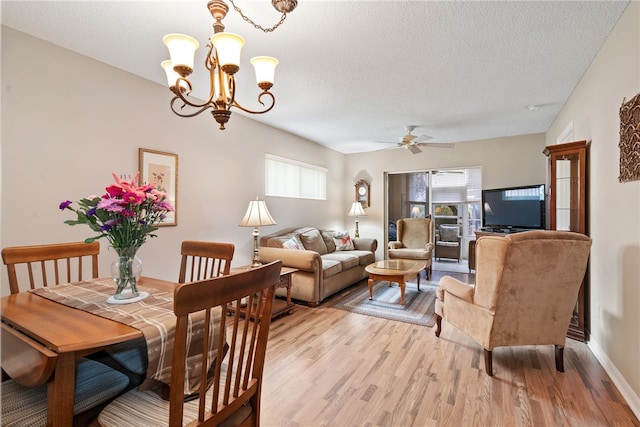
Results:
513 208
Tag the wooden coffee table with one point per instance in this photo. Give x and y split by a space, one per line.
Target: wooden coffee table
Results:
394 270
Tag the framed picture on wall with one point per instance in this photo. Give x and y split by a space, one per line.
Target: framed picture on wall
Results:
161 169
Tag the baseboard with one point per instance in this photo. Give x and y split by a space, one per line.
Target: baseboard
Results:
633 400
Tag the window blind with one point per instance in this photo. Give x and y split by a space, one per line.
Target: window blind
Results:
291 178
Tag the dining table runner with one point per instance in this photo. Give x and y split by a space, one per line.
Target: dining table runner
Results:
153 316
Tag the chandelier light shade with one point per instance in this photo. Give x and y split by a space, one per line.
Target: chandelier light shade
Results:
356 211
257 215
265 67
222 63
182 49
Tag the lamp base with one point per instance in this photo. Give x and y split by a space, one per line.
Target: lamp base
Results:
256 256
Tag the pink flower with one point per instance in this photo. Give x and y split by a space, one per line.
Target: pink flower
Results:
112 205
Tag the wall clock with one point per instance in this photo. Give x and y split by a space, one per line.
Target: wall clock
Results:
362 193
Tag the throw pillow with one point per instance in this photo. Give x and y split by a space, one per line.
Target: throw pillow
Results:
343 241
327 236
312 241
448 234
293 243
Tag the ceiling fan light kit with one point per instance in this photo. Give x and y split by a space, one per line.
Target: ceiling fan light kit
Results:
222 63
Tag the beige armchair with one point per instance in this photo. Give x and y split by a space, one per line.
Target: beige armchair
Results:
414 241
526 289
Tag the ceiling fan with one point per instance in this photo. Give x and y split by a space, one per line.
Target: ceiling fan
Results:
412 142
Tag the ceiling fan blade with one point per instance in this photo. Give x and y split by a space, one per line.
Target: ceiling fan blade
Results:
423 138
414 149
436 144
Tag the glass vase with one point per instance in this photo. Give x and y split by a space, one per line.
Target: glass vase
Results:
126 271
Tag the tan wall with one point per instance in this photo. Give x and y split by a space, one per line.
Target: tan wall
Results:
505 162
614 208
69 121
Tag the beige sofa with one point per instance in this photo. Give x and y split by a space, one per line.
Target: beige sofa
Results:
323 268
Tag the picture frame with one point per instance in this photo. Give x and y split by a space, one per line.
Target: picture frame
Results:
161 168
362 193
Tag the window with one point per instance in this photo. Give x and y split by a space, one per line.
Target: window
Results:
291 178
418 195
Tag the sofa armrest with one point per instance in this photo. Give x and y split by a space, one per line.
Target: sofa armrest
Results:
395 245
302 260
455 287
429 247
365 244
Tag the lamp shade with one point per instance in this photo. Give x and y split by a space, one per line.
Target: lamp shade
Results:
228 46
356 210
257 215
182 49
172 76
265 67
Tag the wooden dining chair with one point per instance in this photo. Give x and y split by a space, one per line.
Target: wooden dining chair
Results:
43 265
204 260
24 396
199 260
233 398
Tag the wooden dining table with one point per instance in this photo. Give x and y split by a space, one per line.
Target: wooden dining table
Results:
68 332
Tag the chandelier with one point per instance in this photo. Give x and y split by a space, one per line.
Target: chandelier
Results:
222 62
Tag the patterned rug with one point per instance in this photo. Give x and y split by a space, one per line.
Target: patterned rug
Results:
418 308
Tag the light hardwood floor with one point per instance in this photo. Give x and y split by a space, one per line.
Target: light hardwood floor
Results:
327 367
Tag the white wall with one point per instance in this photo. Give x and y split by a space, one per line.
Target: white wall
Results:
505 162
614 207
69 121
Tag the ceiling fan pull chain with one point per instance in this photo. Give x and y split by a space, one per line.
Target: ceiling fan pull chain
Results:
257 26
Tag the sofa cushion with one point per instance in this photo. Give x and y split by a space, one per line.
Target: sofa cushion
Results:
293 243
312 241
327 235
343 241
330 267
346 258
364 257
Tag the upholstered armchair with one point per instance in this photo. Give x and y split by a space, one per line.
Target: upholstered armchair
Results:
525 292
414 241
448 242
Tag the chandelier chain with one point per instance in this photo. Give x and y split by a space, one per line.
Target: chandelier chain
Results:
258 26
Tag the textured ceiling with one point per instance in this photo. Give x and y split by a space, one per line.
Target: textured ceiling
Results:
355 72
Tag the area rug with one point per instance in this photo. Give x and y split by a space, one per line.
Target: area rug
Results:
418 308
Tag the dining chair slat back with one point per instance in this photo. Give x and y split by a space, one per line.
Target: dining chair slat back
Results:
204 260
52 264
233 395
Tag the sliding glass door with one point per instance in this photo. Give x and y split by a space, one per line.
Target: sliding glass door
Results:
449 196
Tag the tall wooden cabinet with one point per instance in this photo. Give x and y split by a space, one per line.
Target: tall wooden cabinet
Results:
567 211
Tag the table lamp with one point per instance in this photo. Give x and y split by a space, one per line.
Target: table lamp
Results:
356 210
257 216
